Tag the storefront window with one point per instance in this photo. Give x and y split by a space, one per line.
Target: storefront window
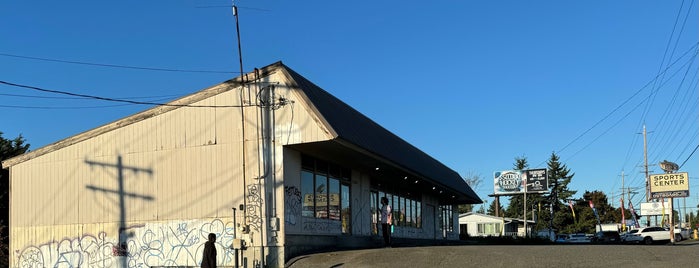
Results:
326 191
346 211
307 186
375 216
321 192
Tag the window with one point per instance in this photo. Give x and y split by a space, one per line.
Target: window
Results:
346 211
375 214
326 191
446 219
406 212
307 186
418 214
321 192
488 229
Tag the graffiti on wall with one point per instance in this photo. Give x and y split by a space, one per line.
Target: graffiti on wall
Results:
254 207
154 244
292 204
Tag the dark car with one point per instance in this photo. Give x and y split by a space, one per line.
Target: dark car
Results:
607 237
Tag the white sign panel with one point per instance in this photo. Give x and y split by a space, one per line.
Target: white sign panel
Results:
508 182
653 209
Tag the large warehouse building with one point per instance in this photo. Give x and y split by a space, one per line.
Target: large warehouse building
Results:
269 162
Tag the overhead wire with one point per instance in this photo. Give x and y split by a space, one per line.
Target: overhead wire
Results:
116 65
81 98
692 48
662 62
122 100
608 115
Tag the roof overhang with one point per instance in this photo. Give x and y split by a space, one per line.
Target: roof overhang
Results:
384 171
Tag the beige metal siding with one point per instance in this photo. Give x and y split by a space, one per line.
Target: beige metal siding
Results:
185 164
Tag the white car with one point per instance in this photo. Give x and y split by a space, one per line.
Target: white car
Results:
649 235
578 238
631 237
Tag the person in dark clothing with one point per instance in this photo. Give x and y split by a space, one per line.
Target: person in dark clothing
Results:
209 258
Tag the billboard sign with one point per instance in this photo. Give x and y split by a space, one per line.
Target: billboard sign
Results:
651 209
508 182
537 180
669 185
511 182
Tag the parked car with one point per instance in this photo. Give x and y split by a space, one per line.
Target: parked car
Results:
578 239
631 237
682 234
649 235
606 237
561 238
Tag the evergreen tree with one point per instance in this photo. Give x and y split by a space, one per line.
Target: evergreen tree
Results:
559 178
492 207
515 208
8 149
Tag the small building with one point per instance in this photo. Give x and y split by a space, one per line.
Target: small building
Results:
272 164
481 225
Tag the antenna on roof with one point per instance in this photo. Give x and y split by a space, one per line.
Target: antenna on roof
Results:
240 50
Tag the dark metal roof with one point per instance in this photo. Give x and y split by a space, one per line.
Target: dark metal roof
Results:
357 129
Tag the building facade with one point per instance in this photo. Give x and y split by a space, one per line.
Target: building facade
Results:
474 224
269 162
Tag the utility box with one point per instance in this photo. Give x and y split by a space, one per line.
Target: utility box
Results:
274 224
238 244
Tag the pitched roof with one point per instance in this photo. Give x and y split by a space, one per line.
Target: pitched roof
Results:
357 129
347 123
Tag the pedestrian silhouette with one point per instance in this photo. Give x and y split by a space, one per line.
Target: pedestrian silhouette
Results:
209 258
386 221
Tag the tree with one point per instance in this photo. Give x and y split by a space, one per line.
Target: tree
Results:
491 208
515 207
8 149
559 178
473 180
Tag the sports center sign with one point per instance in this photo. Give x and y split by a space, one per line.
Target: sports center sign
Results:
669 185
510 182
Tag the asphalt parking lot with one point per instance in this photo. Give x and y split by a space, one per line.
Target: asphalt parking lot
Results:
682 254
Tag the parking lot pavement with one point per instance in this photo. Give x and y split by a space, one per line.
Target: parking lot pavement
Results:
682 254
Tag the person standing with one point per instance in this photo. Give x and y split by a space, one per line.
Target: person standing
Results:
386 221
209 258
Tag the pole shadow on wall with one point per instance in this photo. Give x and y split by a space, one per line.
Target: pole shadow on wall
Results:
121 250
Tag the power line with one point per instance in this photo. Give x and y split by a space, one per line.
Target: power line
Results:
121 100
692 48
81 98
690 156
117 66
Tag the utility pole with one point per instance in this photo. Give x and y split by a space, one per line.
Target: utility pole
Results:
645 165
623 219
645 162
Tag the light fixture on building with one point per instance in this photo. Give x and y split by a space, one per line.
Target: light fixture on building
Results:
434 187
416 181
405 178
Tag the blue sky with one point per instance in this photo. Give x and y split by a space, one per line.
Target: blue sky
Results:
472 83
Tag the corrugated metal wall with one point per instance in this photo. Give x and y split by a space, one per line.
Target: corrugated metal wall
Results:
185 164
